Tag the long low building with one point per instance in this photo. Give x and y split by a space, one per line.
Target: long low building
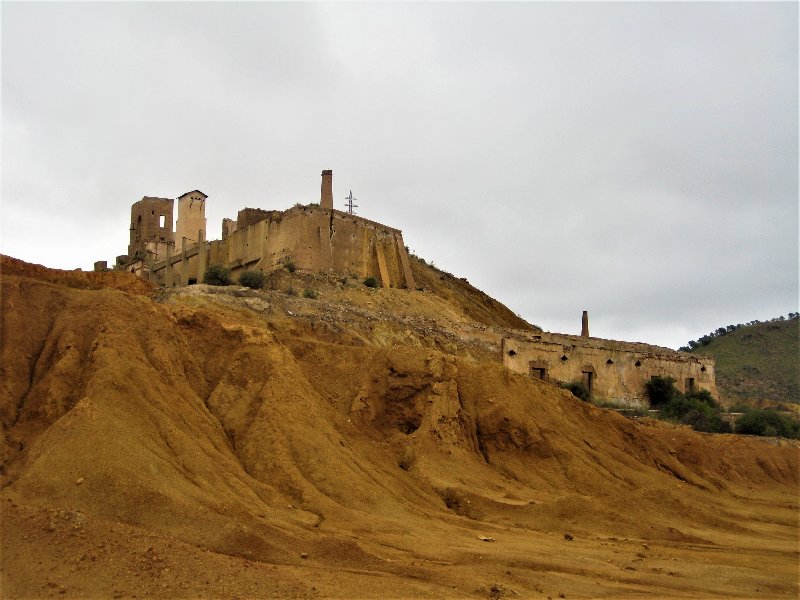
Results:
611 370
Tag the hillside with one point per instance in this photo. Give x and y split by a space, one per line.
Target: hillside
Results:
758 364
222 442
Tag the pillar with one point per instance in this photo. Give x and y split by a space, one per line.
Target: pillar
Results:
326 192
170 274
585 324
184 263
202 260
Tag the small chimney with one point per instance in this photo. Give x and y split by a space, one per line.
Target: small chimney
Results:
585 324
326 193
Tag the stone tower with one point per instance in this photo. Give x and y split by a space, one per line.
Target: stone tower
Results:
585 324
326 193
151 222
191 223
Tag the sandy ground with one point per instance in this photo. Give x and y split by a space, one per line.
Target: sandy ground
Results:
366 444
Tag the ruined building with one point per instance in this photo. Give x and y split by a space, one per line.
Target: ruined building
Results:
314 238
317 238
609 369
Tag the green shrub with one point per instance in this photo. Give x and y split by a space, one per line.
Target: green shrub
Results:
309 294
660 390
580 391
708 421
290 267
697 409
217 275
705 397
252 279
767 422
291 291
371 282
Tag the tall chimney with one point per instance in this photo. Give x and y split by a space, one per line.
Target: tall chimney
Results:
585 324
326 194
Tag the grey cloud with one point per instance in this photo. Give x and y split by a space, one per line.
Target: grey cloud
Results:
635 159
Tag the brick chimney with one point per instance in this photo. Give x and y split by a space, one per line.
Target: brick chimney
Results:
585 324
326 193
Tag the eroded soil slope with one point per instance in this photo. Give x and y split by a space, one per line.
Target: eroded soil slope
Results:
201 447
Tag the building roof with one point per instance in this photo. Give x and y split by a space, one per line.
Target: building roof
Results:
192 192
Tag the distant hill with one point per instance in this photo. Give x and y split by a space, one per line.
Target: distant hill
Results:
757 364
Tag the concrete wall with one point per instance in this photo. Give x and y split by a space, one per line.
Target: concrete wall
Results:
619 370
316 240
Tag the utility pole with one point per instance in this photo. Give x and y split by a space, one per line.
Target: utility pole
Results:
349 204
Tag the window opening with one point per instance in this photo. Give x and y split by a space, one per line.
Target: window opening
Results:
512 353
538 373
162 220
609 362
564 358
638 363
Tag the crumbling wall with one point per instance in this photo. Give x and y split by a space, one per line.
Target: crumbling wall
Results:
191 223
151 221
315 240
250 216
617 371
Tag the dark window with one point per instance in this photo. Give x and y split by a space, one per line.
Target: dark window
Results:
538 373
609 362
638 363
512 353
564 358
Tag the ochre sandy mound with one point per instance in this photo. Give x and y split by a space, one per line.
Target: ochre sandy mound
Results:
118 280
169 450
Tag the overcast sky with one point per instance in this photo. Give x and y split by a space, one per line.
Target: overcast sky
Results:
638 160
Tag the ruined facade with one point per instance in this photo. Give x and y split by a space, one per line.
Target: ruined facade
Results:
611 370
314 238
151 227
317 238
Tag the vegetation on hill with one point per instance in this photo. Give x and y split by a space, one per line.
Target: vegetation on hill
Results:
756 363
721 331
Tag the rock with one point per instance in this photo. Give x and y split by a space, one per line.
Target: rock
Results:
79 481
568 537
304 555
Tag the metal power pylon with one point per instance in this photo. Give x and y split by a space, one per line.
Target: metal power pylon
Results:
349 204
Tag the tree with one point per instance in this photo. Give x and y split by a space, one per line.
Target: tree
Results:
660 390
